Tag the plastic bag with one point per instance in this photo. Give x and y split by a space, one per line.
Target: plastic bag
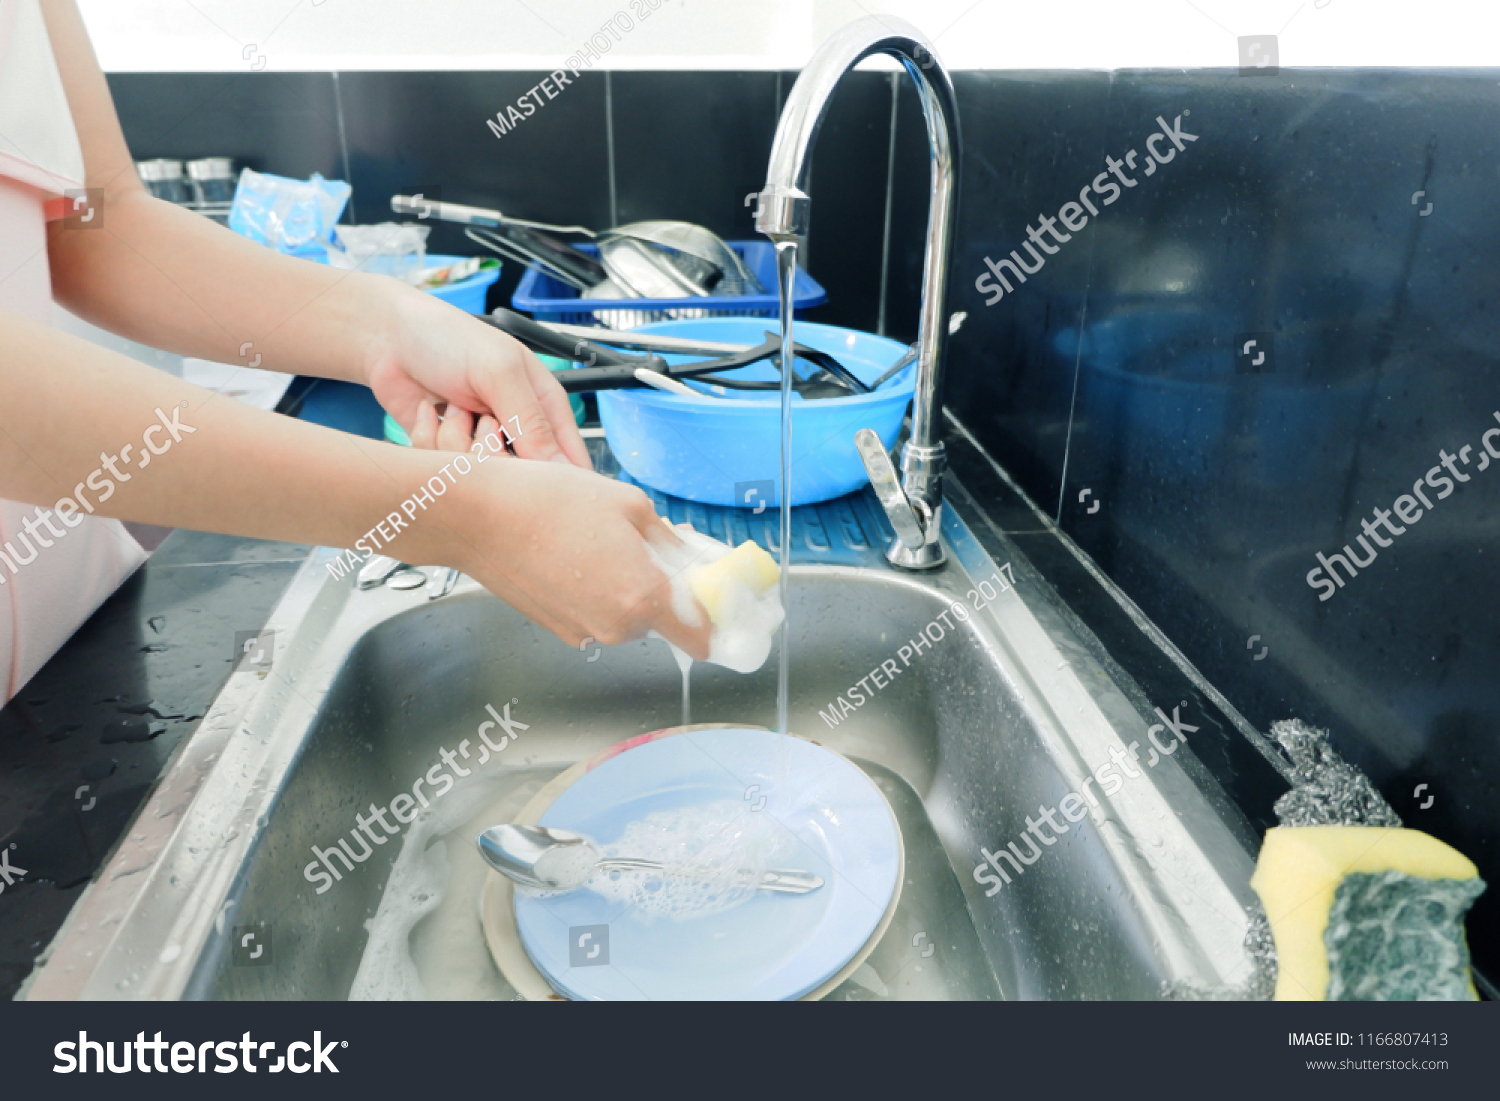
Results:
389 248
292 216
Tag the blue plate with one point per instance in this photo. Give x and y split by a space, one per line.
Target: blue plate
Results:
718 799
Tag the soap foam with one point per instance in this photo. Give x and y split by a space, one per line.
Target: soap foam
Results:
570 865
741 638
427 879
713 855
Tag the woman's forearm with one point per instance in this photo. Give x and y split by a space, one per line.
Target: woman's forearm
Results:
83 430
82 424
167 277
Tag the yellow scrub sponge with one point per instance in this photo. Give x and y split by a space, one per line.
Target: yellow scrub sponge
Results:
1366 913
747 565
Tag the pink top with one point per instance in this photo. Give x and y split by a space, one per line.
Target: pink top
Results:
52 576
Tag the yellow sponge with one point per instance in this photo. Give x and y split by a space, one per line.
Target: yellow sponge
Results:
747 564
1366 913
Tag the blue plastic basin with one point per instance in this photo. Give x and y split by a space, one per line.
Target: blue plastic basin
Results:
705 449
467 294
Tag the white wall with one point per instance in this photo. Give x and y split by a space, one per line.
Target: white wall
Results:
230 35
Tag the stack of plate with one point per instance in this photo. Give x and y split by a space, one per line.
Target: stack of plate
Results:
790 802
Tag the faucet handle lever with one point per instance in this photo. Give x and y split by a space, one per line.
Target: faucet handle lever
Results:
909 525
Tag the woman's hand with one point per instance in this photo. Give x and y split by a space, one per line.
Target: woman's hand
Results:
426 354
566 548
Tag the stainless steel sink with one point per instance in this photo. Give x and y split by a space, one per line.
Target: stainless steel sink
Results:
998 717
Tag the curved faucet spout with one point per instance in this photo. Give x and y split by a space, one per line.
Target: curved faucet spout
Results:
783 214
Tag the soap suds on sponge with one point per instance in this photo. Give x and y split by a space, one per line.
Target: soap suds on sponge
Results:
735 586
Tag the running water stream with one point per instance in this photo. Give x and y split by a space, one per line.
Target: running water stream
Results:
685 663
786 274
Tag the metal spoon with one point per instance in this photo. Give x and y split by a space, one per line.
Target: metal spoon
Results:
561 860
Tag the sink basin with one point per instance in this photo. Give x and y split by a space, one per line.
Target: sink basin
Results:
992 720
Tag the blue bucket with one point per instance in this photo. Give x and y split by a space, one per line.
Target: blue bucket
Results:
707 449
467 294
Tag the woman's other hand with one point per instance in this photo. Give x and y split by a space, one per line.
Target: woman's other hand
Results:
425 353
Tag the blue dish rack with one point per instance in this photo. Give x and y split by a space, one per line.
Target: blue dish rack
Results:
549 299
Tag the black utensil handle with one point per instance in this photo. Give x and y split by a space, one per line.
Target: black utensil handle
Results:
541 339
606 368
825 360
581 380
575 262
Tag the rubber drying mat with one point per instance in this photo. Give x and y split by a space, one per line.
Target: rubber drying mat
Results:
498 911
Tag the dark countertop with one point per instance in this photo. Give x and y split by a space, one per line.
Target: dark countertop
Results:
83 743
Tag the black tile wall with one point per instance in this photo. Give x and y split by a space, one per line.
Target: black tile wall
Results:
1029 142
286 123
428 130
1112 383
911 191
691 146
847 182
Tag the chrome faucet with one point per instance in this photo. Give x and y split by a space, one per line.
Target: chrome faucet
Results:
914 503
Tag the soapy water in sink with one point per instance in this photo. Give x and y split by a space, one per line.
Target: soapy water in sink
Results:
425 939
713 855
